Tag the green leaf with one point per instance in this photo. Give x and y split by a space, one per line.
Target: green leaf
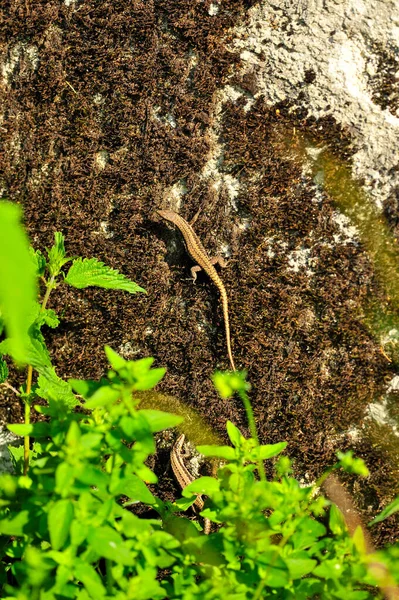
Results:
91 476
182 504
226 452
17 278
159 420
15 524
56 255
135 489
3 370
336 521
307 532
104 396
59 520
265 452
64 478
202 485
35 350
329 569
148 380
8 485
359 540
116 361
38 260
53 388
47 317
298 567
273 568
17 457
234 434
90 579
353 465
389 510
86 387
109 544
86 272
229 383
34 430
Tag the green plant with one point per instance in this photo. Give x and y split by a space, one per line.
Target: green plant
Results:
23 316
66 529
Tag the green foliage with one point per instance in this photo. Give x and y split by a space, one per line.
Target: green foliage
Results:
89 271
391 509
20 266
56 255
353 465
3 371
67 532
17 278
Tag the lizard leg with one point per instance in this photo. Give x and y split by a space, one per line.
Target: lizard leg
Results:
218 260
194 271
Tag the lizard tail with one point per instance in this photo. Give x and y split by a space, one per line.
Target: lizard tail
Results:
227 328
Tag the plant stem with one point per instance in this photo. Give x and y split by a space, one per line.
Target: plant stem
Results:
26 439
49 286
110 579
252 429
27 418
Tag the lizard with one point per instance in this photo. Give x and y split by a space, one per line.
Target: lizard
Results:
183 475
200 256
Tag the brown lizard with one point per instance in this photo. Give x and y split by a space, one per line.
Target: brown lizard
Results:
183 475
199 254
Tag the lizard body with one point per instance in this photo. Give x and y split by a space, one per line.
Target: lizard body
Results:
183 475
199 254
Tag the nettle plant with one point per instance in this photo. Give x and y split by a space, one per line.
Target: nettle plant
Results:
67 529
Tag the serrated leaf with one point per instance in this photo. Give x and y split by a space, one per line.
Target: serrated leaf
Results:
35 352
17 456
56 255
38 260
18 285
59 520
86 272
159 420
47 317
3 370
54 389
